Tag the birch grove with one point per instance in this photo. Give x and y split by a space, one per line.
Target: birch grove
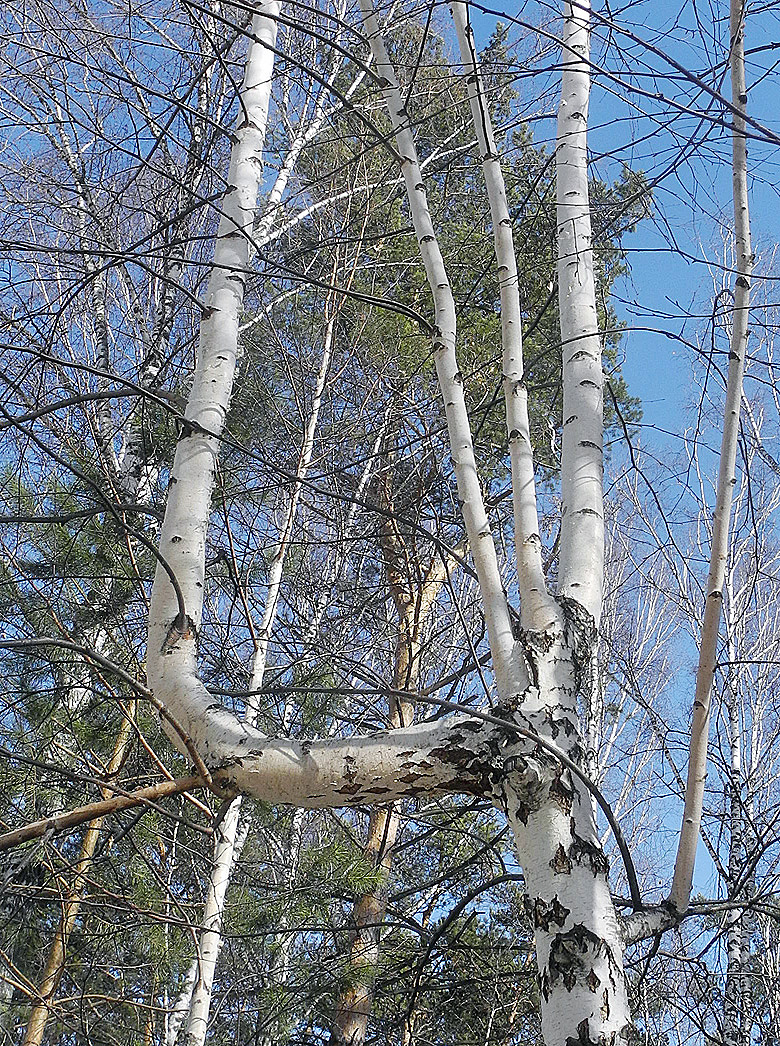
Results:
348 604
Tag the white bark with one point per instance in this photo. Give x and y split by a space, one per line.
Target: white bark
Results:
475 518
578 942
229 843
173 628
581 562
210 940
579 948
697 759
539 610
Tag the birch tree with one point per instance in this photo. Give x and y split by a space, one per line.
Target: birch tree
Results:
527 754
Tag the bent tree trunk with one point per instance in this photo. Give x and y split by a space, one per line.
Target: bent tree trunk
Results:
510 759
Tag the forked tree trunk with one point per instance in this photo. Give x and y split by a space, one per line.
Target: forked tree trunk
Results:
579 949
527 757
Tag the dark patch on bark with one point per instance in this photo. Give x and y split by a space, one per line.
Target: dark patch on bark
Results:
177 631
544 914
584 1038
583 851
568 958
562 791
561 863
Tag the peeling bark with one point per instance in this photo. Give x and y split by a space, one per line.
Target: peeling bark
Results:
578 941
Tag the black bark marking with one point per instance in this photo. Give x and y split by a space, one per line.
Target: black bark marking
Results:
561 863
544 914
569 953
562 791
177 632
582 851
584 1038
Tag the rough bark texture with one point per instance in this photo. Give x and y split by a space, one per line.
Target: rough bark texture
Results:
578 943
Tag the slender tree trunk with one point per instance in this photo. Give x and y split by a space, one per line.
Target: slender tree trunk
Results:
733 1015
55 962
413 603
230 842
579 948
697 761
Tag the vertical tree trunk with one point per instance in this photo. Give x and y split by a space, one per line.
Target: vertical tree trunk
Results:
579 948
733 1015
697 761
413 602
230 843
55 962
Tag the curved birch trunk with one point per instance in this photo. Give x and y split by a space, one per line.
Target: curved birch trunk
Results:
183 540
680 894
230 842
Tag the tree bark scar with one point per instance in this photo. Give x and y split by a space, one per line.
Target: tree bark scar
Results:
584 1037
570 958
176 633
583 851
546 913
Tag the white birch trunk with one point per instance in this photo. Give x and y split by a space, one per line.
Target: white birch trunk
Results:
581 562
230 842
579 948
175 616
475 518
680 893
538 609
210 940
578 943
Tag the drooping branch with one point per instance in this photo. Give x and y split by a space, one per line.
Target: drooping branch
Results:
680 894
